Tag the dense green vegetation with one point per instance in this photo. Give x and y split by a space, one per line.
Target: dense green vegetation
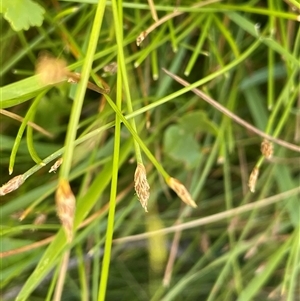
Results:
83 84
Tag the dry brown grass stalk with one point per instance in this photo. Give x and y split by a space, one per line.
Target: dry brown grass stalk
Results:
233 116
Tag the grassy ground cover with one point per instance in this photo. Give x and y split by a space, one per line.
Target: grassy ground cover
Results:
150 151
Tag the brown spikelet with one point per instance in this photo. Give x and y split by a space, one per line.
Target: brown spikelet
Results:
40 219
266 149
65 206
141 185
56 165
253 179
182 192
141 38
12 184
51 70
111 68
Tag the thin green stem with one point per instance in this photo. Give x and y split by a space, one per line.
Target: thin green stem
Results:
22 129
82 274
285 114
271 60
292 273
29 139
172 36
80 92
115 165
154 64
118 16
138 140
204 80
202 37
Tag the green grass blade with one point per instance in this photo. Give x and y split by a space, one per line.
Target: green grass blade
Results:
257 282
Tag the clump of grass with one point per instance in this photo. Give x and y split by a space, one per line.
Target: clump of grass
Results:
237 233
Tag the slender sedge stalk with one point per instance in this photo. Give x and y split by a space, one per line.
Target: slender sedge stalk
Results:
114 181
271 59
22 129
122 66
80 92
138 140
113 195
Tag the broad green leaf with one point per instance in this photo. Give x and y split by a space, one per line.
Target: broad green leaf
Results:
181 145
198 121
179 140
22 14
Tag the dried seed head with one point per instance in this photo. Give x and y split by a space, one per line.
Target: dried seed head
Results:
111 68
141 185
266 149
260 268
12 184
253 178
65 206
182 192
141 38
40 219
56 165
51 70
251 252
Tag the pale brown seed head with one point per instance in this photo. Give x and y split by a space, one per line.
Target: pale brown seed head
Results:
51 70
65 206
141 38
141 185
253 179
12 184
111 68
182 192
266 149
40 219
